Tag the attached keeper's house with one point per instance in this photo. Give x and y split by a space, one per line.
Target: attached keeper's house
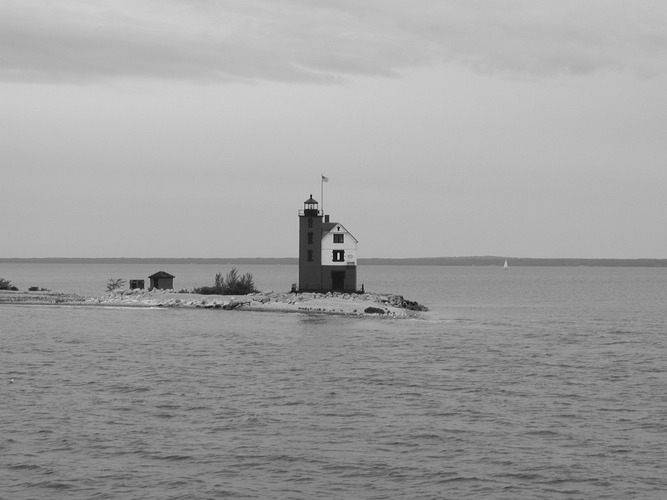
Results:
327 252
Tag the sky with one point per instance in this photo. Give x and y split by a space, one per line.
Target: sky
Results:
197 128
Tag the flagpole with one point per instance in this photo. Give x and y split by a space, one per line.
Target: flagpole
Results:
323 179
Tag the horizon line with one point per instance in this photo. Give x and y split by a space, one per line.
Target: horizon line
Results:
488 260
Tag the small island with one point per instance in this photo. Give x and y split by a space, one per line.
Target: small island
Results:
231 292
353 304
327 282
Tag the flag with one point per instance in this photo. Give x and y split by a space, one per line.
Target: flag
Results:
325 179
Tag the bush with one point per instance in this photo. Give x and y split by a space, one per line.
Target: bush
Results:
7 285
115 284
232 284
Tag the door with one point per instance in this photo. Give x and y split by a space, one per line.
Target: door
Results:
338 280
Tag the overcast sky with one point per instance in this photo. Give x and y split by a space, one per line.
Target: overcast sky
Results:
197 128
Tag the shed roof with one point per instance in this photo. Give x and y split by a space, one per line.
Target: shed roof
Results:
161 274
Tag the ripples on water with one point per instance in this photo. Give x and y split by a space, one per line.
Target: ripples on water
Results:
503 393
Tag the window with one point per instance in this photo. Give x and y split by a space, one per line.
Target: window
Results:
339 255
310 222
339 238
310 238
310 255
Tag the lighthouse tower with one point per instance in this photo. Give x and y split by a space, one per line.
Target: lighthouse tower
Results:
327 252
310 246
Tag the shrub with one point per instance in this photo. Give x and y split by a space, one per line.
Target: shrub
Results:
232 284
115 284
7 285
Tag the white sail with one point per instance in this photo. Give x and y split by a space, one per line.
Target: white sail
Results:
505 265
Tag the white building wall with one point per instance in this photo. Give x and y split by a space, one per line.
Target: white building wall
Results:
349 246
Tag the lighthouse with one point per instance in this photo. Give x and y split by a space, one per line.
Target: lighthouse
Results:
327 252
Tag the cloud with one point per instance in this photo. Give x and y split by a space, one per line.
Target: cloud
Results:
324 41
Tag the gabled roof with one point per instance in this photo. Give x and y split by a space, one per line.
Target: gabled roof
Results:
328 227
162 274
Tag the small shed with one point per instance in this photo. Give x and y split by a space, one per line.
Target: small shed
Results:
162 281
134 284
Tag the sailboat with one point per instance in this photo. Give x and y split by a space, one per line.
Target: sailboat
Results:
505 265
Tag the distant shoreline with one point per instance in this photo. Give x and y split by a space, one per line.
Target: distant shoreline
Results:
416 261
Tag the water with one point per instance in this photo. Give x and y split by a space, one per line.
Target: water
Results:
520 384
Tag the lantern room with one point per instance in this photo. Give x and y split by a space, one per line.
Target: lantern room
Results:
310 207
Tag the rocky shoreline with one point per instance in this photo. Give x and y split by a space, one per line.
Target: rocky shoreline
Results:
364 304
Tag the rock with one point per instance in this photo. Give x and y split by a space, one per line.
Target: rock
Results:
232 304
415 306
374 310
